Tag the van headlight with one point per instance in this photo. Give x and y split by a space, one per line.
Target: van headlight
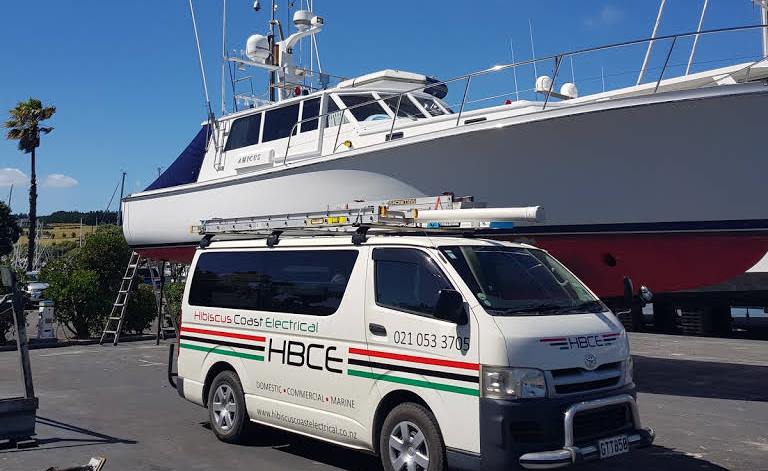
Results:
629 371
512 383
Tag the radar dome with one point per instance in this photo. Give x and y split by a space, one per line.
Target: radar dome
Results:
569 90
257 48
543 84
303 19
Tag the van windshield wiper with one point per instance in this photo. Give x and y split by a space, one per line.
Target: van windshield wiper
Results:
544 308
586 306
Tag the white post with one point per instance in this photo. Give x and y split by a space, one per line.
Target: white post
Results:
650 44
696 38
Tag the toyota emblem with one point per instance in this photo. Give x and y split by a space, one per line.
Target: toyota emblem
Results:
590 361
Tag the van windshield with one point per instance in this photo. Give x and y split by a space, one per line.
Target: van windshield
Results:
520 281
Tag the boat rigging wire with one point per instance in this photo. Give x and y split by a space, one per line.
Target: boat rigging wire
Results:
211 117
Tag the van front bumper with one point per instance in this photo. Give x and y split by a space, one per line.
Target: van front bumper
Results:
570 453
550 432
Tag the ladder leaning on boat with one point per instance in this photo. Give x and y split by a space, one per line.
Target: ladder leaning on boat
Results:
445 214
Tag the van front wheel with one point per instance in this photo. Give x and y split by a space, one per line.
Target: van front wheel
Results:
410 440
226 407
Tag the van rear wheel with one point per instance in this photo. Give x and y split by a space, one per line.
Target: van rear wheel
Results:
226 407
410 440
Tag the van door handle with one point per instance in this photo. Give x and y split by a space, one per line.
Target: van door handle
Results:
377 329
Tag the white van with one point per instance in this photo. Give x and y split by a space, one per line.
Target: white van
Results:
431 352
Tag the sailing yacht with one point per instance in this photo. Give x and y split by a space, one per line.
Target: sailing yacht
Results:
661 181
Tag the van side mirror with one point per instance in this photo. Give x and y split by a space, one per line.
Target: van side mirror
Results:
450 307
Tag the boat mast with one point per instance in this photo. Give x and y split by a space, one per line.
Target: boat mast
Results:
764 21
275 60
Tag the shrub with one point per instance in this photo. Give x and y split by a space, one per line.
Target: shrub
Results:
174 294
141 309
79 305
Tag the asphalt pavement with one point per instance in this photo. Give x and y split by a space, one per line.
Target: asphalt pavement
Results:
707 399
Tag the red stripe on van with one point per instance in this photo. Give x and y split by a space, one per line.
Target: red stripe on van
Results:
255 338
415 359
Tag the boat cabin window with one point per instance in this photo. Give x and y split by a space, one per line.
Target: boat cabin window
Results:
368 112
430 105
278 122
244 132
334 115
311 109
407 108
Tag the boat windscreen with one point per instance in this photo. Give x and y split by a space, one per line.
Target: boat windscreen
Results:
186 167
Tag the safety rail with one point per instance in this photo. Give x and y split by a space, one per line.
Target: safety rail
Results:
557 60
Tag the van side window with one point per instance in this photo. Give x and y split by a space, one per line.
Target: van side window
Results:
311 109
407 280
298 282
244 132
278 122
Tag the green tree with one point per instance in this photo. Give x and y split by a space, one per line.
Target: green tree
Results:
85 280
24 125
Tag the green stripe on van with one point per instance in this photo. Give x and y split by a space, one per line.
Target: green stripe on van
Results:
221 351
414 382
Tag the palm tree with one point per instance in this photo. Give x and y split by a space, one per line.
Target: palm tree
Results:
24 126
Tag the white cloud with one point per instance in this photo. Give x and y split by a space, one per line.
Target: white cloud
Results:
608 15
57 180
13 176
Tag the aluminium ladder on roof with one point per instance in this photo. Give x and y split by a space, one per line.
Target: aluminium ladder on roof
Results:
425 214
114 324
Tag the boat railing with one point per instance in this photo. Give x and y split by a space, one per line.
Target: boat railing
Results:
557 64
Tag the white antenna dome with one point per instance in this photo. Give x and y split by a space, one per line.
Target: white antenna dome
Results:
302 19
543 84
257 48
569 90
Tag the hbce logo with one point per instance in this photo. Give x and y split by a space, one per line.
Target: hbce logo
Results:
315 356
582 341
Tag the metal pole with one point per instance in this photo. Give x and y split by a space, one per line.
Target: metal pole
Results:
120 203
21 339
666 61
650 43
463 100
514 71
275 60
764 18
223 56
696 38
160 304
558 61
533 51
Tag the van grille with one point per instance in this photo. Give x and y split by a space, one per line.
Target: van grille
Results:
605 421
578 380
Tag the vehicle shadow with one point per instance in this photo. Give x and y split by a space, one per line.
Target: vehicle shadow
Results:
654 457
80 437
308 448
700 379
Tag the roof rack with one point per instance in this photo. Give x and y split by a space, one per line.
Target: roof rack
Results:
446 214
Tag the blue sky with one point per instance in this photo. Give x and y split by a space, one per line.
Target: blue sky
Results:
124 75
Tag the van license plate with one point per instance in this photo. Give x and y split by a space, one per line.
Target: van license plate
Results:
613 446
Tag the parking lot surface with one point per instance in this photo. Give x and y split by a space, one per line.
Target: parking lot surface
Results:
707 399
